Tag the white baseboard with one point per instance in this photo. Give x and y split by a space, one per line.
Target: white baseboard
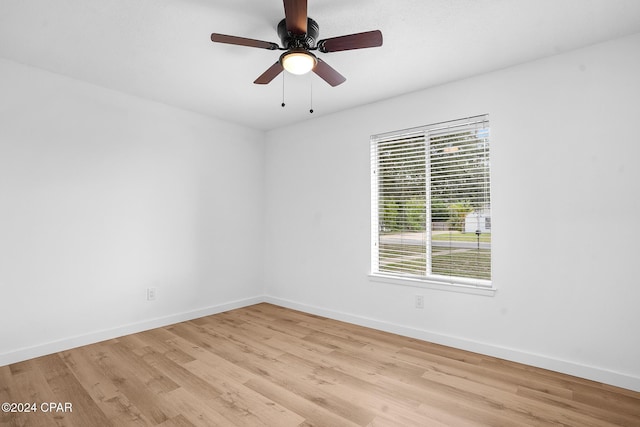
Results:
617 379
571 368
132 328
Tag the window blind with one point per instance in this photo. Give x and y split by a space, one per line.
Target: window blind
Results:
431 204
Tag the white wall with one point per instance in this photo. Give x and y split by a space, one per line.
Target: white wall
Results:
103 195
565 190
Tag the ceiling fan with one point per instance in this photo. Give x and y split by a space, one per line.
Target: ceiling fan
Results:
299 34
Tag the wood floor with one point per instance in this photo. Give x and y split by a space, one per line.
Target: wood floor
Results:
267 365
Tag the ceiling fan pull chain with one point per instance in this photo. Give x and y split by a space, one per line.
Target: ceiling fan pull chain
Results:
283 90
311 93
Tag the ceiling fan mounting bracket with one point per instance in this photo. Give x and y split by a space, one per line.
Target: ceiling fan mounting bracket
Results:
299 41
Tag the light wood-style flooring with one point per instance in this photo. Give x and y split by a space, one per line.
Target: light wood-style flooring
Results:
268 365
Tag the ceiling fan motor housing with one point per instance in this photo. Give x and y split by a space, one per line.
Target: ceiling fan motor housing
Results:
305 41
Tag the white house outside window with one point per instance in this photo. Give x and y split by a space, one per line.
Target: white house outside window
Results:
431 203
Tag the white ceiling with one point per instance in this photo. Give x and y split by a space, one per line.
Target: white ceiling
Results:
161 49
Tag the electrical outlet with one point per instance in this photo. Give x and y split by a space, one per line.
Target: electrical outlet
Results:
151 294
419 301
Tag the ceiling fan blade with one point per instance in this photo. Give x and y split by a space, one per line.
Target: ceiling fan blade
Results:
242 41
295 15
271 73
351 41
328 74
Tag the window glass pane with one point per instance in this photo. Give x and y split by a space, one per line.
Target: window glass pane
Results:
431 210
402 206
460 204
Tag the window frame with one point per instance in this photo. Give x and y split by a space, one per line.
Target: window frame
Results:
428 280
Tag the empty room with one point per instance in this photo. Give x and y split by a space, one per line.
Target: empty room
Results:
319 213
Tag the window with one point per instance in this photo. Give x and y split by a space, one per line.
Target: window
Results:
431 203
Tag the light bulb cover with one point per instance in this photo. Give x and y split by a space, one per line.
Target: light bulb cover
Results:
298 61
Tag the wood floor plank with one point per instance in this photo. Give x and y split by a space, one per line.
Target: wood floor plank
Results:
315 414
138 399
178 421
576 407
65 387
528 411
133 364
615 399
447 418
383 403
301 383
436 400
277 321
255 408
194 410
7 393
105 393
30 386
272 366
161 341
260 363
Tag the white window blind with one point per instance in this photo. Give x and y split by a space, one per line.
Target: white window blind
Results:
431 203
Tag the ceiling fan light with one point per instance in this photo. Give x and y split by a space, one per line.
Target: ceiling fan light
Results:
298 61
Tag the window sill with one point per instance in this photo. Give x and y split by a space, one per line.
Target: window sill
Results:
431 284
